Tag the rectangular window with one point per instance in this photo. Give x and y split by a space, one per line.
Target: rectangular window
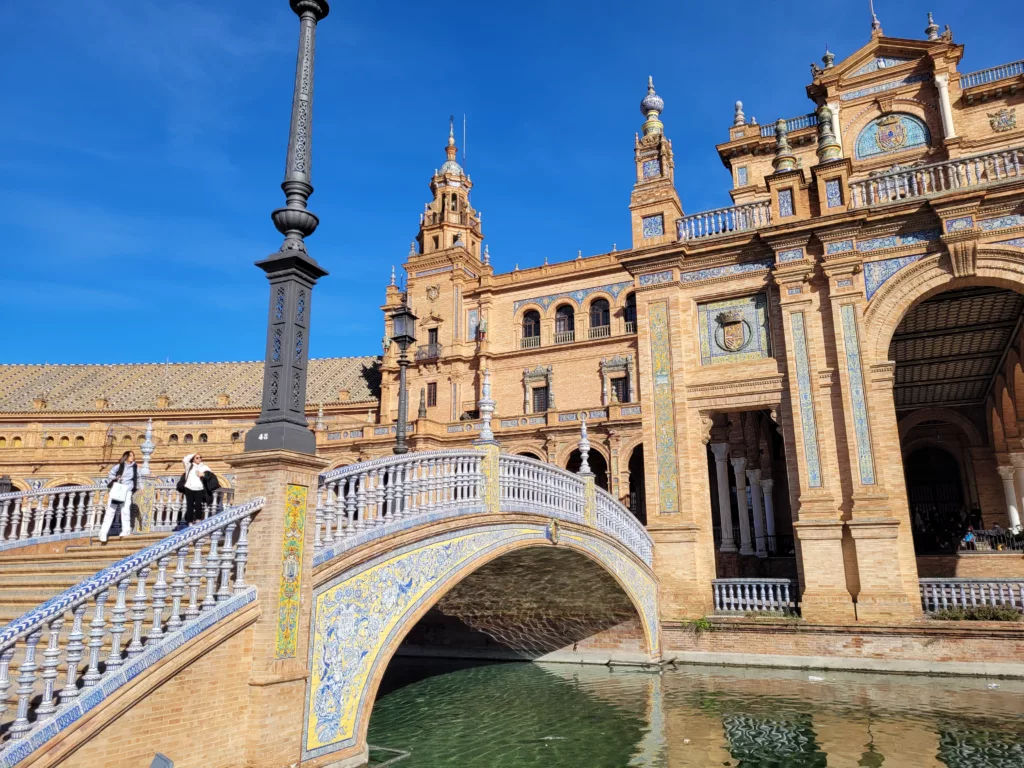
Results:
432 394
432 336
540 399
785 202
620 388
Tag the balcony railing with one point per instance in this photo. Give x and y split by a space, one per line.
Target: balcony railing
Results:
936 178
991 541
992 74
631 326
529 342
755 596
564 337
792 124
944 594
723 221
599 331
428 352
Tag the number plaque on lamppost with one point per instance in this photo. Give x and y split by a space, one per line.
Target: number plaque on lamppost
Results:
403 333
292 272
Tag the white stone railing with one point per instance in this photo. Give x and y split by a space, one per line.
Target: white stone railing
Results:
365 501
724 221
76 649
941 594
938 178
78 509
51 511
792 124
755 596
992 74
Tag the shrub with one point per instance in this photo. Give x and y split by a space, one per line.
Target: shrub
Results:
700 626
980 613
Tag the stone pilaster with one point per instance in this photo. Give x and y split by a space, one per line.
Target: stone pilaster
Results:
281 568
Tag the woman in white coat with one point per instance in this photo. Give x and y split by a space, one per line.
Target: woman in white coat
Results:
122 482
195 491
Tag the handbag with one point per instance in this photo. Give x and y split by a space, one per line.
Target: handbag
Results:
180 487
119 493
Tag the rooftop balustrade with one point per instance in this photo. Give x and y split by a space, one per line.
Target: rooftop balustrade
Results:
724 221
792 124
938 178
992 74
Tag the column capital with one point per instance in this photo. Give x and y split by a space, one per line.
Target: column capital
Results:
942 80
739 463
767 482
1006 473
721 451
754 476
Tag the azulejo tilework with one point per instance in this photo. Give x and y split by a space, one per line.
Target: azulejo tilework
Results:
652 169
732 269
1002 222
472 324
891 133
734 330
792 254
833 193
877 272
741 176
785 202
578 296
654 226
855 373
656 278
896 241
880 62
839 247
360 613
959 224
850 95
291 570
664 416
1017 242
805 400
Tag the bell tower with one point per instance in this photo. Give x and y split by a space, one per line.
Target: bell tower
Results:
449 221
654 204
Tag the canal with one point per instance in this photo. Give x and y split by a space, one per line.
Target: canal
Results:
522 715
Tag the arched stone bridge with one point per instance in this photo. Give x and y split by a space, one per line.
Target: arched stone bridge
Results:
394 536
525 558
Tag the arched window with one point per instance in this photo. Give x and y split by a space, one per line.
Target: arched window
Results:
202 437
891 133
629 314
3 442
141 439
565 324
172 439
600 319
188 439
65 442
126 440
531 329
79 442
16 442
50 442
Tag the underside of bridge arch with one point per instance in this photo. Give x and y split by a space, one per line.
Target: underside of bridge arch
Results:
541 602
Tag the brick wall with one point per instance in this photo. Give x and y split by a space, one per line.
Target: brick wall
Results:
1002 565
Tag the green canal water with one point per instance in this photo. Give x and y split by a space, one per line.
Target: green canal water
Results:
522 715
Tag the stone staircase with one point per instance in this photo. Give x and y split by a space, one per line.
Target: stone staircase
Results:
29 578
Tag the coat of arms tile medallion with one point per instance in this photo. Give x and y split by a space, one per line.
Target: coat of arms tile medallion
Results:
734 330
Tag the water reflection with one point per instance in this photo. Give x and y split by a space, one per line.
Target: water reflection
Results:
563 716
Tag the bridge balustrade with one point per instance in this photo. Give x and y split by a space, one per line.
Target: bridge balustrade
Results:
961 593
370 499
76 649
755 595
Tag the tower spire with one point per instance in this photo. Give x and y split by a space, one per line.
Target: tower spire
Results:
932 30
651 106
876 25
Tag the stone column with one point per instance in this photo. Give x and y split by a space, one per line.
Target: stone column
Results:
769 513
945 108
1018 477
281 567
738 467
754 478
836 129
1006 475
721 452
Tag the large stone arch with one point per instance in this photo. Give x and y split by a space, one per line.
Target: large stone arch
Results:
947 415
362 612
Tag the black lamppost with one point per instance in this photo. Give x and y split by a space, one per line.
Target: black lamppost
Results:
292 272
403 333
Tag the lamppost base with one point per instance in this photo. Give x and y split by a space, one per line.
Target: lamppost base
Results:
280 436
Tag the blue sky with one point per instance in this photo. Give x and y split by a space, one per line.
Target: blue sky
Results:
143 146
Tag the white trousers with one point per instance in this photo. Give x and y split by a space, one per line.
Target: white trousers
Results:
126 518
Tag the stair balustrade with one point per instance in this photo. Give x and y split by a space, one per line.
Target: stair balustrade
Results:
374 498
77 648
937 178
724 221
952 593
169 506
755 596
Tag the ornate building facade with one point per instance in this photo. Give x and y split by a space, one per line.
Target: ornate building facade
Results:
823 378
